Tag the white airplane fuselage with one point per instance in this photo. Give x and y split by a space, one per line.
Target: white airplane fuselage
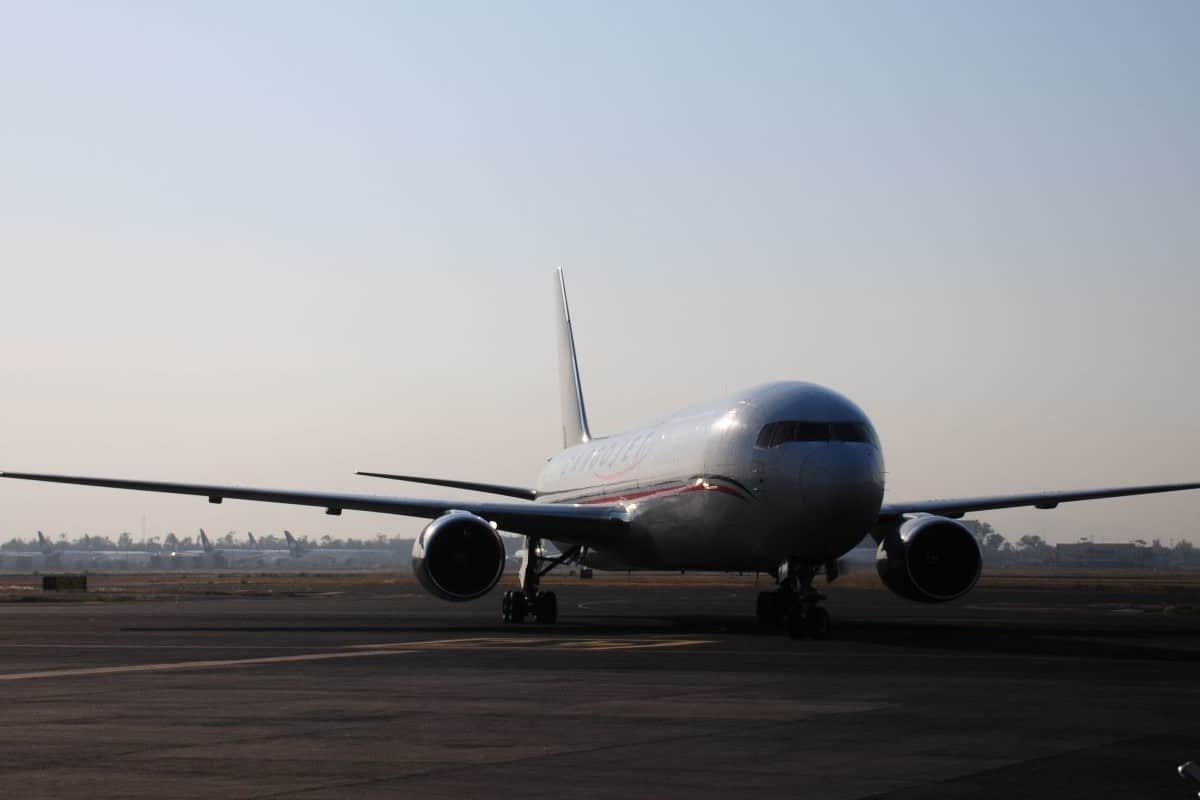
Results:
703 490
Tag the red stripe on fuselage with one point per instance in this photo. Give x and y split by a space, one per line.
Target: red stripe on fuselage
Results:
661 492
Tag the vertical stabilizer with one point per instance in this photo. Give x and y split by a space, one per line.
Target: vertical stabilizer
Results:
253 541
205 544
574 415
294 547
44 544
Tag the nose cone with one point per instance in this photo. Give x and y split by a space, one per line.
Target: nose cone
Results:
841 486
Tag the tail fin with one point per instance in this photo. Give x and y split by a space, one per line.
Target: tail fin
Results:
44 543
253 541
205 544
574 415
294 547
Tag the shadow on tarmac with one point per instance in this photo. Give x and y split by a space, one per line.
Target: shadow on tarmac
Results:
1095 641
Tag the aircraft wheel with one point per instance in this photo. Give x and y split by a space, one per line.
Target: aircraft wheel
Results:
819 623
767 608
506 607
546 608
519 607
796 622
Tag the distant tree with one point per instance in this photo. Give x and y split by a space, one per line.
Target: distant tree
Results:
1032 547
171 542
227 539
1031 541
326 541
978 529
125 541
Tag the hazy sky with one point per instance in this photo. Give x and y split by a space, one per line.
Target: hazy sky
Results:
273 243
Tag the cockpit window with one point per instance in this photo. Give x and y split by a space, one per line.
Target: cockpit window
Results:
854 432
774 434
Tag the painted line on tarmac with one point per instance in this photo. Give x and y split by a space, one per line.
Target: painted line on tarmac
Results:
176 666
609 645
533 642
361 651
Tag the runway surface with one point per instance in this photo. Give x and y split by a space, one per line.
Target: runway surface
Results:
642 690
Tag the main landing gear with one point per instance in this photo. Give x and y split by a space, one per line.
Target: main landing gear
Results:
529 600
796 604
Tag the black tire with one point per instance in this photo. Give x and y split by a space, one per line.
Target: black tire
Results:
519 607
546 608
767 608
819 623
796 622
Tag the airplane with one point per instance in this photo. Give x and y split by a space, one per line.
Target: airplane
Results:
782 478
55 558
211 555
29 560
264 556
206 556
336 557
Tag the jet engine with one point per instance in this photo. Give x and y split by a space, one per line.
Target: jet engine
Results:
929 559
458 556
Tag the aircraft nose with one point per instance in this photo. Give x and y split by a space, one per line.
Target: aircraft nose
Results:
842 485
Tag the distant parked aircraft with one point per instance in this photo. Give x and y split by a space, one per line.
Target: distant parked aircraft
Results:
49 557
338 557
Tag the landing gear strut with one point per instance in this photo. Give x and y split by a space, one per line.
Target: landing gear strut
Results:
796 604
529 600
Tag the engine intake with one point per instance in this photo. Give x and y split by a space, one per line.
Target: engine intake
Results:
458 556
929 559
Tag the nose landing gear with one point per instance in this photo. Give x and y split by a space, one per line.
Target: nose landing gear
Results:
796 604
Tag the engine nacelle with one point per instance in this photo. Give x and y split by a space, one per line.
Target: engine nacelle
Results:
458 556
929 559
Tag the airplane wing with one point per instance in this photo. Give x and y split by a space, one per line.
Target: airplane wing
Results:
474 486
956 507
577 524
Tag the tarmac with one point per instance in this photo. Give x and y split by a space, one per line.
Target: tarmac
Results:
646 688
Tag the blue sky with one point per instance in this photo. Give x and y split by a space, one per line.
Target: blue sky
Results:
272 243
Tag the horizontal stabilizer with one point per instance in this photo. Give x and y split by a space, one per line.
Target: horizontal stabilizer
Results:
474 486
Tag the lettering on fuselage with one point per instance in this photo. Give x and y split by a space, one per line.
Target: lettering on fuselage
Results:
606 459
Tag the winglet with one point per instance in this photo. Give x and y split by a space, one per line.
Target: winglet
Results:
574 415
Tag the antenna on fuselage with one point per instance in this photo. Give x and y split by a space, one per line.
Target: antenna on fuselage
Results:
574 415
